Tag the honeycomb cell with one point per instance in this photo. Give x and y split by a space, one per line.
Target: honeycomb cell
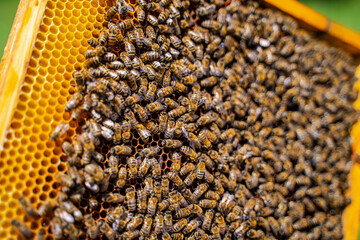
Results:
60 41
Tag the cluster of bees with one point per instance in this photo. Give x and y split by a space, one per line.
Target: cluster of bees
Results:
220 120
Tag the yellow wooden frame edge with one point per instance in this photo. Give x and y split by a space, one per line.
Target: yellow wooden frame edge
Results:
16 56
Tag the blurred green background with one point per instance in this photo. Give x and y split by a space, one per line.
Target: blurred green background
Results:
342 11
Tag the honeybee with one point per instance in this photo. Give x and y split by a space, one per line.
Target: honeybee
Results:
149 56
176 162
189 152
150 151
168 143
121 150
106 230
152 20
93 43
130 199
152 205
177 112
140 14
174 177
126 60
103 37
171 103
159 223
200 190
129 48
150 95
114 214
204 140
46 207
143 132
156 167
144 167
191 226
200 170
183 212
59 131
163 205
109 14
126 126
165 186
152 127
132 164
56 228
126 24
155 107
146 227
179 225
188 181
22 228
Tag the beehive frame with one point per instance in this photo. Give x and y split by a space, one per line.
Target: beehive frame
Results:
45 46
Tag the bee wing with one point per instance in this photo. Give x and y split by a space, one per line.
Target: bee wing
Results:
186 135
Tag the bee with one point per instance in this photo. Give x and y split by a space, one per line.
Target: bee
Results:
135 222
207 203
168 143
152 20
163 119
126 24
146 227
117 133
200 170
126 126
189 152
68 149
211 24
59 131
200 190
177 112
121 150
163 205
150 95
56 228
140 14
174 177
143 132
130 199
171 103
152 205
191 226
115 214
163 16
204 140
109 14
150 151
190 179
150 32
176 162
156 167
46 207
129 48
159 223
152 127
165 186
179 87
93 43
125 58
174 11
149 56
179 225
164 92
132 164
22 228
106 230
144 167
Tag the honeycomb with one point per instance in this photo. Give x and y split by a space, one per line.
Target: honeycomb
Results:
27 150
29 158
